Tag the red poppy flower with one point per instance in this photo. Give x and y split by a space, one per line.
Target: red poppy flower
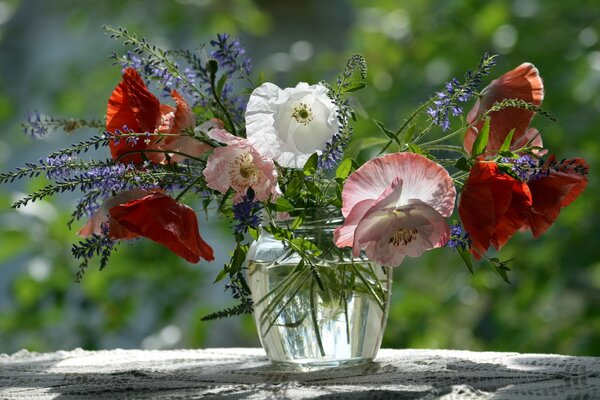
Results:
131 105
154 215
562 184
159 217
523 82
493 206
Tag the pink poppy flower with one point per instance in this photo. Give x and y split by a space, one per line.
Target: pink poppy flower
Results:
239 166
524 83
395 206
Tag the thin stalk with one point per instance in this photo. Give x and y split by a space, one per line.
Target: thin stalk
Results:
448 147
292 295
313 314
159 151
191 185
369 288
408 121
220 104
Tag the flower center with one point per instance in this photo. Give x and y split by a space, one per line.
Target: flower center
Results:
303 114
403 236
242 172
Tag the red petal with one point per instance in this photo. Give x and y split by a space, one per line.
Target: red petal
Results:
184 116
523 82
131 104
493 206
552 192
100 217
160 218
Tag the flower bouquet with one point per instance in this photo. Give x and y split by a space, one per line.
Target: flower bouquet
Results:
317 232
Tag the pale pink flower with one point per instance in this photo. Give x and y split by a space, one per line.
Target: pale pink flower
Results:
395 206
240 166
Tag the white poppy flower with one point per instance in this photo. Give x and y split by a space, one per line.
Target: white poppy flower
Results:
288 125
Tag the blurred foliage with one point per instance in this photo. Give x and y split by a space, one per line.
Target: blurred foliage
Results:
54 60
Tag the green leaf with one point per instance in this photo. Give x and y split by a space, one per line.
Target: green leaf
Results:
386 131
482 140
253 232
466 257
305 245
311 165
463 164
414 148
354 86
221 275
313 188
294 186
343 170
410 133
221 84
506 145
283 205
298 221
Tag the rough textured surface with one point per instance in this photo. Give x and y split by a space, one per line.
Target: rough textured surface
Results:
247 374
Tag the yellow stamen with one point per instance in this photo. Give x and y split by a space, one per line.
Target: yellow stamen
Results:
403 236
303 114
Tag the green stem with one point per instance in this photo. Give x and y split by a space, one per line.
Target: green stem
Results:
220 104
159 151
455 149
313 314
188 187
408 121
369 288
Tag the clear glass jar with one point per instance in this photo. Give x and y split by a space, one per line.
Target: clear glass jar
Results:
332 317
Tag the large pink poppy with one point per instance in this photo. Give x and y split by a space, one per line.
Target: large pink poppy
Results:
395 206
239 166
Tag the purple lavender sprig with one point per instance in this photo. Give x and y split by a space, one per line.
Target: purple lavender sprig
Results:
95 245
230 55
38 125
246 214
446 102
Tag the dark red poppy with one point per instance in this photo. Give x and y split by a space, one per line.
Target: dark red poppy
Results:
493 206
558 186
160 218
524 83
133 106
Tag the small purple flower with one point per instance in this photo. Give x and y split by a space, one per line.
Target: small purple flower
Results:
458 238
230 55
526 168
58 167
445 102
245 213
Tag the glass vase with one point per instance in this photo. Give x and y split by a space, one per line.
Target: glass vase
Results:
328 309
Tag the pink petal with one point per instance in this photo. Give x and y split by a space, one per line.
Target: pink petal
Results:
222 171
422 179
343 236
376 232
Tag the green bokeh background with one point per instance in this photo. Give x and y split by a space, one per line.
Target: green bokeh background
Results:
53 58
